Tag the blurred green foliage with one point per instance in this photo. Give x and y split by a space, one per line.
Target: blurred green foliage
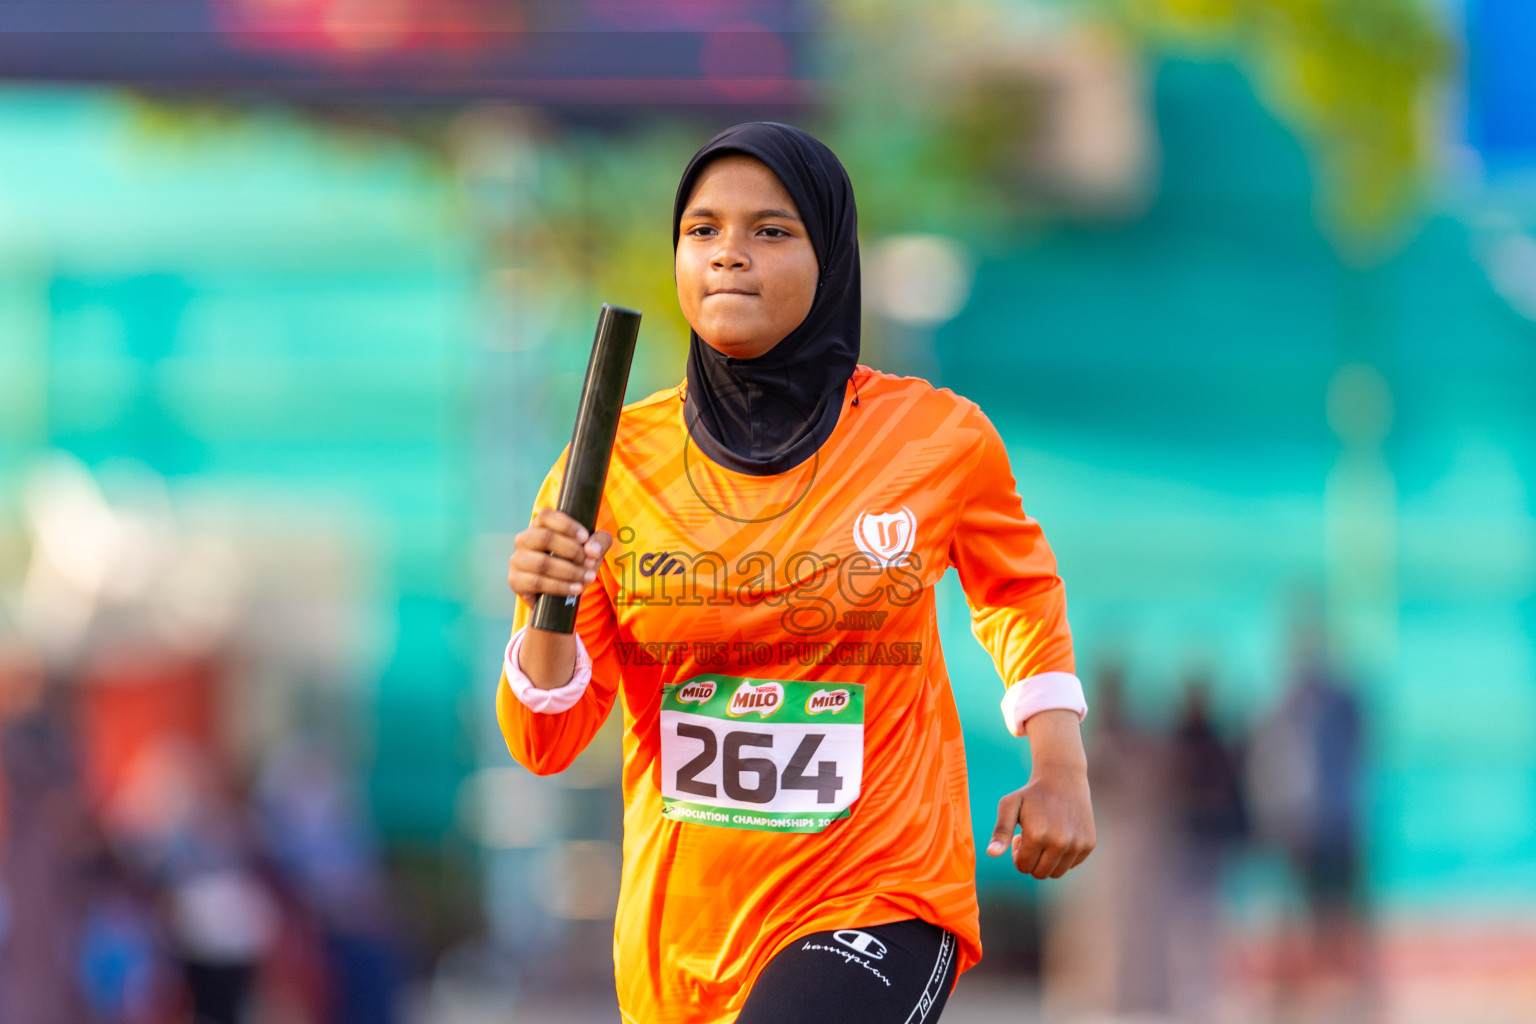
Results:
921 92
1357 79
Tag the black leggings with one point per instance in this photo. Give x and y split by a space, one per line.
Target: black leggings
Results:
898 973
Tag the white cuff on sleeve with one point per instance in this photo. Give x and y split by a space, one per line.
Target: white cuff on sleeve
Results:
1047 691
540 701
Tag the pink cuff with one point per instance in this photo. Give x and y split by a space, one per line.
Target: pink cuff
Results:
540 701
1047 691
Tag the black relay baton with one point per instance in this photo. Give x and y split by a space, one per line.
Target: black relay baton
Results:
597 420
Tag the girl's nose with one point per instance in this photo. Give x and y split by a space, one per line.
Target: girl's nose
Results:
728 257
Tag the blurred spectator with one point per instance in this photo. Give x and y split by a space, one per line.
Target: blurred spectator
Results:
316 832
1208 817
123 963
185 833
1106 949
45 833
1304 777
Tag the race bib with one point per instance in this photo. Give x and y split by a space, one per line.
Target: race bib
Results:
767 755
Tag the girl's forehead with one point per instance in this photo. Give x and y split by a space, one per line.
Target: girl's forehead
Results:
737 171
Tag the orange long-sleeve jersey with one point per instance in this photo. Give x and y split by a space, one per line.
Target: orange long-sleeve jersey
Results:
810 774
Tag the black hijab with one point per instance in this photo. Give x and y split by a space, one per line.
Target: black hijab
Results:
766 415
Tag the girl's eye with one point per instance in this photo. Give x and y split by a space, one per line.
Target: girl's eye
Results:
773 232
700 230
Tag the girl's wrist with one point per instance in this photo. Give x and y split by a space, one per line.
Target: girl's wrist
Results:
1055 741
547 658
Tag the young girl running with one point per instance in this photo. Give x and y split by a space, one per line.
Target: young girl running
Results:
759 600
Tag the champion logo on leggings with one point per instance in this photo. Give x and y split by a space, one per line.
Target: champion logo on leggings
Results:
861 942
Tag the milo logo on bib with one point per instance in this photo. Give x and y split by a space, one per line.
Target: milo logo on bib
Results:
795 767
696 693
827 700
763 698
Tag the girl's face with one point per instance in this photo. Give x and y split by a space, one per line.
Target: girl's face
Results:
746 270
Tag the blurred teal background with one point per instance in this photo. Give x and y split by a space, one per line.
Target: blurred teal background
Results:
1249 290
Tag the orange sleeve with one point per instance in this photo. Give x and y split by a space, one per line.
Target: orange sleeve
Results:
1018 603
548 743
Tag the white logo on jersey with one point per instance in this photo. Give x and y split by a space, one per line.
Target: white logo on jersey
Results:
861 942
885 537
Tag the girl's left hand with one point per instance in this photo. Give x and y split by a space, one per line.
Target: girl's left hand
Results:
1054 812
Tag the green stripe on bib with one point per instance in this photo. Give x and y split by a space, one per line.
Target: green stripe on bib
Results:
761 821
766 700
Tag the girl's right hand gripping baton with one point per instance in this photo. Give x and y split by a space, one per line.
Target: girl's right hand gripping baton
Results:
597 420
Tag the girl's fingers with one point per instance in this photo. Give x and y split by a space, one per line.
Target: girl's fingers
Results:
1026 855
556 532
529 586
598 546
543 564
555 555
1082 855
1068 861
1007 823
545 539
554 520
1051 860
